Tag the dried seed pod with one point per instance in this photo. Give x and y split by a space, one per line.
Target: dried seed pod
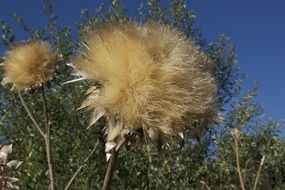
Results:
152 79
28 64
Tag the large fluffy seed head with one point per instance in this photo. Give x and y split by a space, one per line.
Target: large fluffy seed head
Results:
28 64
149 77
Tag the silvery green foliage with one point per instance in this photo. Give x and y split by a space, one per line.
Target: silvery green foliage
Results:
8 183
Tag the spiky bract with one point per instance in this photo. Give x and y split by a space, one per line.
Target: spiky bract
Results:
150 78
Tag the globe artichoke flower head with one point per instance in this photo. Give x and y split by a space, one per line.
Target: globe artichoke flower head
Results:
152 81
28 64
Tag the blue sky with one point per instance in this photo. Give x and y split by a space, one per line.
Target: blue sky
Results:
256 27
257 30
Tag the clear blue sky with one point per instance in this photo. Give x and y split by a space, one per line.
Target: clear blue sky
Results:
256 27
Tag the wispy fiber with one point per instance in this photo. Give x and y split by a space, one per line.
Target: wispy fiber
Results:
150 78
28 64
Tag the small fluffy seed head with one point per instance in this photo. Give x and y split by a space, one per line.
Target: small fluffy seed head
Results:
28 64
150 77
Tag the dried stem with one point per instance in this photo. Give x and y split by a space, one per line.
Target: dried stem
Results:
259 172
81 166
48 141
30 115
238 162
110 169
46 135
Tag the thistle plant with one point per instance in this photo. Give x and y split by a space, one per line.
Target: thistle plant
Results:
151 81
29 65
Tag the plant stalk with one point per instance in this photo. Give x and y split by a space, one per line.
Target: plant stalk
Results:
110 169
31 115
238 164
81 166
258 173
48 142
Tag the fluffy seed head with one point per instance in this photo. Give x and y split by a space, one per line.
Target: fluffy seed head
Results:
28 64
150 78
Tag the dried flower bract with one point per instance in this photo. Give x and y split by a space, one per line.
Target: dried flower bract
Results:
8 183
151 80
28 64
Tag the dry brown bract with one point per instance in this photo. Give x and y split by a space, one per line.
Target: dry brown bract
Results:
153 80
28 64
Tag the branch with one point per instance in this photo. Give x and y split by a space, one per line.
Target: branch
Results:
82 165
110 169
259 172
47 141
30 115
236 136
46 136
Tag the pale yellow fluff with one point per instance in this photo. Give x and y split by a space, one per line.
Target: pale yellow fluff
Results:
150 78
28 64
